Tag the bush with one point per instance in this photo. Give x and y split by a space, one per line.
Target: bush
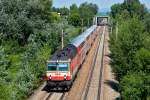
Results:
142 60
132 86
4 64
20 18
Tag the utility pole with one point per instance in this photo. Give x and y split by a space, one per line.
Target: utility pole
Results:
82 24
93 20
88 22
110 28
116 31
96 20
62 39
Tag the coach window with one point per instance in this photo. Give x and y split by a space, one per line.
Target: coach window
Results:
82 44
88 37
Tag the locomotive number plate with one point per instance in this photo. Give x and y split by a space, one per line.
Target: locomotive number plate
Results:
57 73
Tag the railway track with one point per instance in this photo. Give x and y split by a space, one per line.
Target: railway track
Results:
55 96
82 86
78 91
50 96
93 87
45 93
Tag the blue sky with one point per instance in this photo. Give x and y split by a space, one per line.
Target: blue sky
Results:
103 4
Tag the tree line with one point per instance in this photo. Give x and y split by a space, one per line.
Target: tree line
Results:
79 16
130 49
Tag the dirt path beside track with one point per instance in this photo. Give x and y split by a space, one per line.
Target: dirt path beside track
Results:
109 84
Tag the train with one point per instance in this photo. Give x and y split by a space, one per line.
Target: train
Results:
63 66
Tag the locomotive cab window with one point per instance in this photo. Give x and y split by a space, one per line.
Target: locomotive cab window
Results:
58 67
63 67
52 67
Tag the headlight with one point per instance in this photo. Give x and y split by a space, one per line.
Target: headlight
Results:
50 77
65 76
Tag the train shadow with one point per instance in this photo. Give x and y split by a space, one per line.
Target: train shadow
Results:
56 89
114 85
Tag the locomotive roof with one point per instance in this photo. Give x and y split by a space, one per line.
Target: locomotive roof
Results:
68 52
79 39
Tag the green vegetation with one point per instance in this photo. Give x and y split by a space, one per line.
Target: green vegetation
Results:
82 15
79 16
30 31
130 48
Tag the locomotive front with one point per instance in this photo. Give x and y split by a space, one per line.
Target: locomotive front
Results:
59 67
58 73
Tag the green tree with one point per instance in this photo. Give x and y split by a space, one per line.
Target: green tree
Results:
20 18
132 86
94 8
142 60
134 7
74 19
74 9
87 12
4 64
115 9
129 41
147 22
130 49
64 11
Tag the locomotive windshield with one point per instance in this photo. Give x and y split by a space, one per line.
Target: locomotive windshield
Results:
57 67
52 67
